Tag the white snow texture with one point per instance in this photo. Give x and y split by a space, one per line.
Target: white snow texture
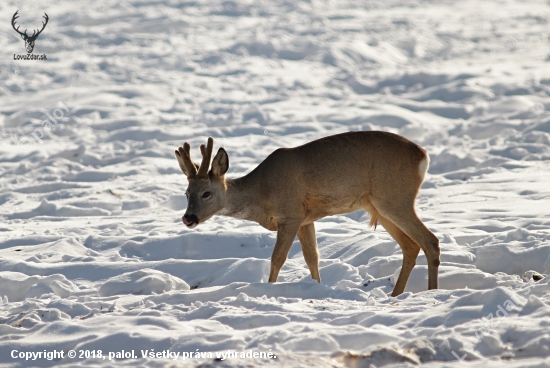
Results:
93 253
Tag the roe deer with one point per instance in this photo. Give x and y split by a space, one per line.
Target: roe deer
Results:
379 172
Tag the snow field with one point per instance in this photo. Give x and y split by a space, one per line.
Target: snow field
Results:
93 255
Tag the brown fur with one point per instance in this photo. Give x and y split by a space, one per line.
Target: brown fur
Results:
379 172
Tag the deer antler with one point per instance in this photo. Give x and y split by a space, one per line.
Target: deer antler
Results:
25 35
183 155
15 16
43 26
206 156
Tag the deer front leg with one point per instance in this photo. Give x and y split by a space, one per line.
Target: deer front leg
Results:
286 233
306 234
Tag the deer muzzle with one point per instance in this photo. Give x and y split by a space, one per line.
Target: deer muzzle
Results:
190 220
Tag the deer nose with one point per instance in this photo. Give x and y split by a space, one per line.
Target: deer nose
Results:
189 220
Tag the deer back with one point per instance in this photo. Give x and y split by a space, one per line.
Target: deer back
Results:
337 174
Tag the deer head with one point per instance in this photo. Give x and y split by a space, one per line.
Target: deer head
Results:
206 193
29 40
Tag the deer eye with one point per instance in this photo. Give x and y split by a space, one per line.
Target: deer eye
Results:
206 195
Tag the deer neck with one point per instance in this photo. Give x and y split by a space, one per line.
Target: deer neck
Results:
241 198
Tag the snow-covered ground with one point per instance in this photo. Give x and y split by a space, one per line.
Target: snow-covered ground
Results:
93 254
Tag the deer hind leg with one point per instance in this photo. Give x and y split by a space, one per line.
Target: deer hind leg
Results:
402 214
286 233
410 252
307 238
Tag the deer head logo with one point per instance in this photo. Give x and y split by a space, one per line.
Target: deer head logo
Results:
29 40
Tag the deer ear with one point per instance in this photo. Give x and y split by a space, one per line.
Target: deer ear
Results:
220 164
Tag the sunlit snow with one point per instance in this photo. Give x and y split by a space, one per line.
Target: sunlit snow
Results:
93 252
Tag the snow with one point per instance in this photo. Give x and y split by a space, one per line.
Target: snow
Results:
93 254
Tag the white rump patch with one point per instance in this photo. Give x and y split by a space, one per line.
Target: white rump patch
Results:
423 167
